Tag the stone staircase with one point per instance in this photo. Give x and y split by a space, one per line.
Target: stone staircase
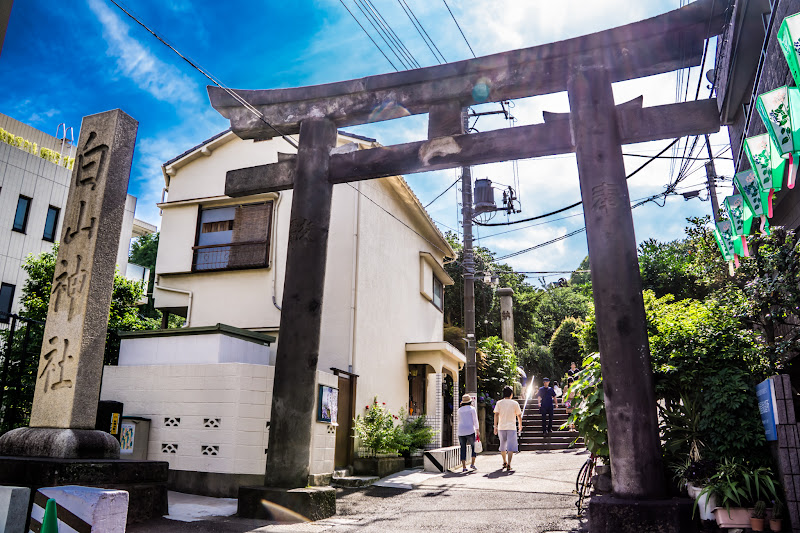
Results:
532 437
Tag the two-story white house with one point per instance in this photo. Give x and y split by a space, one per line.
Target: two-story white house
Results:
221 264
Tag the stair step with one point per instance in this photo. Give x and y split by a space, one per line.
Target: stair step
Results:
353 481
534 447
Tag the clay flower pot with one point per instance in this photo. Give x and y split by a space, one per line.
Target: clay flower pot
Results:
735 517
776 524
756 524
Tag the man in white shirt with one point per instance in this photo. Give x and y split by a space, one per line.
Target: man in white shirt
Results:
506 415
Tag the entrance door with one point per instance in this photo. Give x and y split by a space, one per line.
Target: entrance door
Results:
343 456
447 422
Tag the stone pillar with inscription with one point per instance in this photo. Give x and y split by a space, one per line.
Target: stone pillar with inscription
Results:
71 362
506 295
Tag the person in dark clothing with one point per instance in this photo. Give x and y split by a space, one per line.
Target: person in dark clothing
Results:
547 402
571 373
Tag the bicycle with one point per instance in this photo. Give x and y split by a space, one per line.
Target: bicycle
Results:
584 481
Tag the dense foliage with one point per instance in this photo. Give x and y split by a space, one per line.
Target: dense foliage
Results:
589 408
381 432
497 366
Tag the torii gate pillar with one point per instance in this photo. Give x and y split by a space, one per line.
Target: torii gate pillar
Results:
617 287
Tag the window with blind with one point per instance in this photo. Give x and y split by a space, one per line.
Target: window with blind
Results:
233 237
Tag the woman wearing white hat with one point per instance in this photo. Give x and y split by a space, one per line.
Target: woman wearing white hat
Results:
467 430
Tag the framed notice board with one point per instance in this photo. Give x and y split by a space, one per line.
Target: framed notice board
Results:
328 405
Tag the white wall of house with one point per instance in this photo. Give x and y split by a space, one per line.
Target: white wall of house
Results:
372 305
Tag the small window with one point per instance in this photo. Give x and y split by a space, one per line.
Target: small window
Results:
21 216
51 223
6 299
438 293
233 237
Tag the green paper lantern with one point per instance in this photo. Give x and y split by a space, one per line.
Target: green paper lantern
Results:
780 111
747 184
721 234
789 41
768 165
741 221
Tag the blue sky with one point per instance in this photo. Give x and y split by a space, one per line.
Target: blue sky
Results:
64 60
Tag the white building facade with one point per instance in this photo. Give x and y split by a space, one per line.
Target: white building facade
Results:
221 264
33 194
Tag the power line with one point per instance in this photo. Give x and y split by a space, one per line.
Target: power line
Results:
445 253
459 28
368 35
534 247
421 30
370 18
442 193
576 204
389 31
213 79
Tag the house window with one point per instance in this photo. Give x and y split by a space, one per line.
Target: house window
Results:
21 216
438 292
233 237
51 223
6 299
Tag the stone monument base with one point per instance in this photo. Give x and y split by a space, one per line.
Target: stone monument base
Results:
59 443
287 505
145 481
610 514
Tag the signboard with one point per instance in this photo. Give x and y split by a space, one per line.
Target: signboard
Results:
767 406
126 438
328 405
114 423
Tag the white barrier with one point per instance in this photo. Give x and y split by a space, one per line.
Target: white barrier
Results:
14 508
443 459
82 509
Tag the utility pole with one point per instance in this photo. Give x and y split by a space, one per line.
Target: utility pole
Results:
711 176
468 268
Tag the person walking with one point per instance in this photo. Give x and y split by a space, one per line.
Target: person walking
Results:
468 430
506 415
547 396
572 373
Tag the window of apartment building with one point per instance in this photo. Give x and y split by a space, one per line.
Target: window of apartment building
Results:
21 216
438 292
233 237
51 223
6 299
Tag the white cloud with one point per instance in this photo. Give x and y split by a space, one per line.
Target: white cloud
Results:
135 61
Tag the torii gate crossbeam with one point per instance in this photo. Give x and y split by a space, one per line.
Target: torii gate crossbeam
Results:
595 129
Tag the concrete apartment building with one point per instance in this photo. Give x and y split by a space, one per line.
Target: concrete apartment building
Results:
33 193
207 388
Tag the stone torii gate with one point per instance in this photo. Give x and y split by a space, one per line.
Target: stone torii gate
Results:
594 129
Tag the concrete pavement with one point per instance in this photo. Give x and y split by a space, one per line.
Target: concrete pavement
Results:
536 497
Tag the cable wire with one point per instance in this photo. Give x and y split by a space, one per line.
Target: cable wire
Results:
442 193
368 35
208 75
576 204
459 28
397 39
421 30
371 19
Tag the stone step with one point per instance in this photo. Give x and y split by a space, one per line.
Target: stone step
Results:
343 472
353 482
536 447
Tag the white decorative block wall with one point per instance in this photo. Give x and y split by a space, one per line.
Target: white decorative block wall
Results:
434 408
212 417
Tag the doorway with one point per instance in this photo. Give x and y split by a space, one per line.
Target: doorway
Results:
343 456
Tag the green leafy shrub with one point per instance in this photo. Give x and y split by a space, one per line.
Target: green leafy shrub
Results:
739 484
413 434
376 430
497 366
589 408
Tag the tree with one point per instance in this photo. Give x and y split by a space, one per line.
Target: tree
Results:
144 252
497 366
667 268
123 314
554 305
536 360
564 345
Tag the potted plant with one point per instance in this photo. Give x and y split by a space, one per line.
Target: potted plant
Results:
737 484
380 442
759 514
415 435
776 521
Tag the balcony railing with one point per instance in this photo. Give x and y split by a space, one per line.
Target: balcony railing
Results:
230 256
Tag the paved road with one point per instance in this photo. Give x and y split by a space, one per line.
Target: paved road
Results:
536 497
